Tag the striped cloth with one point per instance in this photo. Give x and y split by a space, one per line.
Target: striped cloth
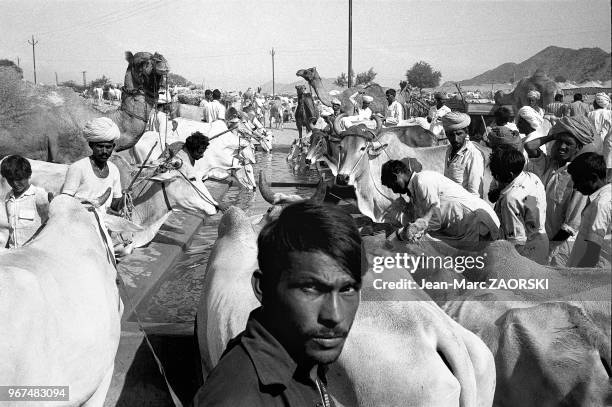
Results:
558 109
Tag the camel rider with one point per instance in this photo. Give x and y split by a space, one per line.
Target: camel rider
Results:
442 208
464 163
564 204
395 111
90 177
601 116
437 112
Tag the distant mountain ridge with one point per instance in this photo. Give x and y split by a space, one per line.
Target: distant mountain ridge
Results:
581 65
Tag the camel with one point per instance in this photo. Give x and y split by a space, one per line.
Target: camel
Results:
47 124
305 114
379 105
518 97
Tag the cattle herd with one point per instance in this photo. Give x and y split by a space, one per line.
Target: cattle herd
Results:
60 309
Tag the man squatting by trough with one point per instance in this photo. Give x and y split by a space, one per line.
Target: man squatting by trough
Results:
308 284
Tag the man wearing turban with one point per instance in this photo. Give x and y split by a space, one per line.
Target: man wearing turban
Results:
437 112
464 163
90 177
564 205
601 116
364 113
533 100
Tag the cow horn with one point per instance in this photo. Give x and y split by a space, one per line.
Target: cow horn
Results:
99 201
378 124
337 128
264 188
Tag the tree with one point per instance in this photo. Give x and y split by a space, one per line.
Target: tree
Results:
177 80
342 80
7 62
100 82
72 84
560 78
365 78
422 75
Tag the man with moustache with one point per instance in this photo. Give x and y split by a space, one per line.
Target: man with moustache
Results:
308 285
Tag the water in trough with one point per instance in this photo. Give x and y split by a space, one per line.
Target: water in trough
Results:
177 296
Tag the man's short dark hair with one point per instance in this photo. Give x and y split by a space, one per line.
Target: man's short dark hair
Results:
559 97
196 141
309 227
588 165
504 160
390 92
15 167
208 92
577 96
502 116
390 169
216 94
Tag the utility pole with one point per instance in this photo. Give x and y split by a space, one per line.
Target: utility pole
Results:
33 44
273 53
350 45
17 61
56 82
84 80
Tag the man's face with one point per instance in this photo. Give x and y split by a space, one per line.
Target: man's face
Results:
524 127
390 98
315 305
456 138
533 102
197 154
565 148
439 103
398 184
174 125
19 185
365 105
336 108
102 151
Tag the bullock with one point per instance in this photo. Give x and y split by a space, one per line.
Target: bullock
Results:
97 95
228 156
60 310
154 195
361 161
423 357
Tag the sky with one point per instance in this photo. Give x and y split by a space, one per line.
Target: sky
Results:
226 44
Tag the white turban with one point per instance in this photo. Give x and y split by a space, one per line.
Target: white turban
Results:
101 130
326 111
455 121
602 100
368 99
336 101
533 94
531 116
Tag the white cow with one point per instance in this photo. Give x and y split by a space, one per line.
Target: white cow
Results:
398 353
114 94
60 309
97 95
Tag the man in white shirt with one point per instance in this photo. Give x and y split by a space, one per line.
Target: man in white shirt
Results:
593 243
216 109
364 114
601 116
464 163
395 111
204 104
90 177
437 112
442 208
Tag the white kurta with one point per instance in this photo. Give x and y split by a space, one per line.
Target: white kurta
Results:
394 113
602 120
466 168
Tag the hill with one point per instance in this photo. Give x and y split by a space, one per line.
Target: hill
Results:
289 88
581 65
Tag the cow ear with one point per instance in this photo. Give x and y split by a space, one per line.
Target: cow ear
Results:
376 148
165 177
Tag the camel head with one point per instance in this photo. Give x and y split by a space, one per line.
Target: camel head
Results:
309 74
301 89
146 72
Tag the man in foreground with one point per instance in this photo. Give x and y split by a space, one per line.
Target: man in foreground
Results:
308 284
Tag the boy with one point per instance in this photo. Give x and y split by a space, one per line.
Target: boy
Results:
521 206
592 247
27 206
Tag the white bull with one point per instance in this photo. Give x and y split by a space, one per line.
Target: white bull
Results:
60 309
398 352
227 155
